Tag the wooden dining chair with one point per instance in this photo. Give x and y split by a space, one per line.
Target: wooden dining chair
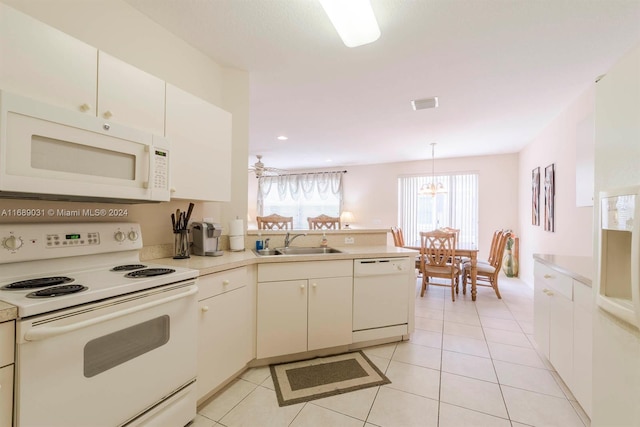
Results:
275 222
398 241
437 250
324 222
488 271
398 237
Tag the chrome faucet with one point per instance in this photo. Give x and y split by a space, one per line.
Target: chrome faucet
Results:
266 243
288 240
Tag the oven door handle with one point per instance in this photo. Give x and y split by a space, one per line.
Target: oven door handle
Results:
52 331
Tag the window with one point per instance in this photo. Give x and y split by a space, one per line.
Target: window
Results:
301 196
457 208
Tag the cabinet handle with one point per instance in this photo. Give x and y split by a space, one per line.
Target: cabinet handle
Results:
225 283
107 114
548 276
205 308
548 292
301 286
314 285
85 107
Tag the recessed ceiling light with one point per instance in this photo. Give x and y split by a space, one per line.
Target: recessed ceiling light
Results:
282 138
421 104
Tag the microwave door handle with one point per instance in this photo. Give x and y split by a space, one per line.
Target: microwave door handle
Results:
52 331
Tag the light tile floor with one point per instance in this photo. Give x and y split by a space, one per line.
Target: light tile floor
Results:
467 364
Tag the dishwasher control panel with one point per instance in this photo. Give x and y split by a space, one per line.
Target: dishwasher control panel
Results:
381 266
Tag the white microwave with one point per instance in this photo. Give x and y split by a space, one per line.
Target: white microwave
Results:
51 153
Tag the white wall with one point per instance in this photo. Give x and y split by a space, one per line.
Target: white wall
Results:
557 144
120 30
371 192
616 349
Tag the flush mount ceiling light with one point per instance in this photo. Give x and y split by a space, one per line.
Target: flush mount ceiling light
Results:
353 20
282 138
422 104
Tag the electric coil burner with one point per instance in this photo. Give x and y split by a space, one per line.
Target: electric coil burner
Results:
128 267
56 291
37 283
150 272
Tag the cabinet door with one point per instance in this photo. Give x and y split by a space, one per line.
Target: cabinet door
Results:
200 137
582 346
282 318
330 312
41 62
561 335
224 338
130 96
6 396
541 317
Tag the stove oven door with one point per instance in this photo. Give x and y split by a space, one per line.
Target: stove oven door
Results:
119 362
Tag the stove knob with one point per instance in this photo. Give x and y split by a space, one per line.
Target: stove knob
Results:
12 243
120 236
133 235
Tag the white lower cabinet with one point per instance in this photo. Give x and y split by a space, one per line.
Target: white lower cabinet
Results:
7 345
225 331
582 345
562 328
303 306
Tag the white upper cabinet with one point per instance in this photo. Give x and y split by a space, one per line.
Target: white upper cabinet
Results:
129 96
41 62
200 137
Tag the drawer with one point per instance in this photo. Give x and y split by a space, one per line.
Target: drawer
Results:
7 342
548 277
304 270
582 295
218 283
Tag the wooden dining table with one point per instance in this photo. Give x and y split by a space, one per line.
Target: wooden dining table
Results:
462 250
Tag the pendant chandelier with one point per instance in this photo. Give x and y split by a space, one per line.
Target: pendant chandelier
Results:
432 188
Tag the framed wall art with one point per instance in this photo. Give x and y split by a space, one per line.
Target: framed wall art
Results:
549 198
535 196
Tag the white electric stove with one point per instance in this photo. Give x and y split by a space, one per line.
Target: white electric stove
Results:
93 322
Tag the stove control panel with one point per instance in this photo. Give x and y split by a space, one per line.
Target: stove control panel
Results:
73 239
26 242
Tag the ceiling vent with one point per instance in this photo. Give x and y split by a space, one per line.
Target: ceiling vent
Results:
422 104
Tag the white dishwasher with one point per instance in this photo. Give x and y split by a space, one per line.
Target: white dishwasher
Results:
381 289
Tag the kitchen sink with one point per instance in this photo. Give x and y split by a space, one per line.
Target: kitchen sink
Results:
266 252
307 251
297 251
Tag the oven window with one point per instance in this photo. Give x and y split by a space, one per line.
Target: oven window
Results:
104 353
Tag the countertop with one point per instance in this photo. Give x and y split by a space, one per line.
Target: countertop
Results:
7 312
229 260
580 268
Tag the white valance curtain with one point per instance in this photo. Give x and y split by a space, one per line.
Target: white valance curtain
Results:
299 186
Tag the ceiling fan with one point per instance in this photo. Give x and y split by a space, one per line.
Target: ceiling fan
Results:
261 170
